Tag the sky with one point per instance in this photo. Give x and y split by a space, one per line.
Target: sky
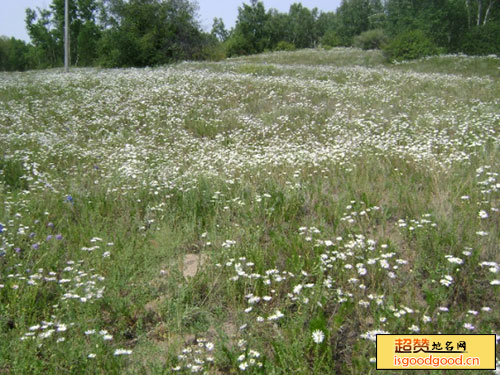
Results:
12 12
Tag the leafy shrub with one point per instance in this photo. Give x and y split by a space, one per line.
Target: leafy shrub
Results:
13 54
410 45
331 39
213 53
238 45
285 46
211 49
482 40
371 39
11 172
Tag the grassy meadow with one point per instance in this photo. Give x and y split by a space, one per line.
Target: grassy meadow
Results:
265 215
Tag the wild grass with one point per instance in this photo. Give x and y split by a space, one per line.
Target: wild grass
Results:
310 190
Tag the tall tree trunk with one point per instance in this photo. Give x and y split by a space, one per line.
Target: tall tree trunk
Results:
486 15
467 5
479 11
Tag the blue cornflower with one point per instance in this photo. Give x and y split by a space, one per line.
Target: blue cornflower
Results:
69 199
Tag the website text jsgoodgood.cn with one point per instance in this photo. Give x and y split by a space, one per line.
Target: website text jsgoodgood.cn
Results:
436 361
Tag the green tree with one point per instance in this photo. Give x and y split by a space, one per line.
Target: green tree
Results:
250 34
219 30
150 32
480 12
14 54
326 21
277 28
482 40
411 44
354 17
301 26
46 30
47 48
446 22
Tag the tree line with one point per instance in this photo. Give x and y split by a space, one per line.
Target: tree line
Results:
125 33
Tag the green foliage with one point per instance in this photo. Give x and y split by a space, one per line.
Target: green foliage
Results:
46 30
378 21
120 33
48 47
152 33
325 22
482 40
219 30
14 55
301 32
11 174
285 46
277 27
118 49
87 41
455 26
238 45
250 36
212 50
410 45
371 39
354 17
331 39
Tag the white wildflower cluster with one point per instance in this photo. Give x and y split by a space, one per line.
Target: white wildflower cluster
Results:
454 260
494 268
447 280
75 283
356 211
94 240
228 244
48 331
71 283
417 224
196 358
372 335
248 358
359 258
260 306
45 330
309 233
401 311
150 159
489 186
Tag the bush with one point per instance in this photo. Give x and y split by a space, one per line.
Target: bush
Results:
410 45
285 46
371 39
331 39
13 54
87 44
482 40
237 45
212 52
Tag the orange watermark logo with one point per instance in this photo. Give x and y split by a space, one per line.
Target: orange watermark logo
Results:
427 352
